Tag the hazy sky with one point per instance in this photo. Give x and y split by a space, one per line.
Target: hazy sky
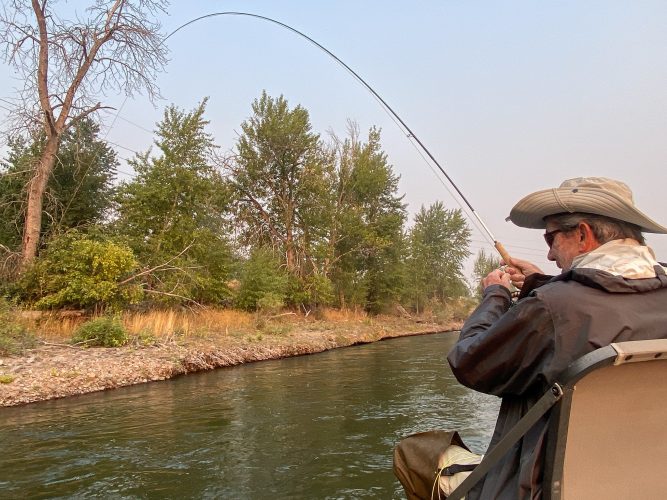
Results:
510 97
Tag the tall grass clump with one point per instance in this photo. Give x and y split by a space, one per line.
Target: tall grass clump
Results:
453 310
344 315
164 325
14 336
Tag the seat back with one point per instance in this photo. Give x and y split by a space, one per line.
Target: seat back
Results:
609 433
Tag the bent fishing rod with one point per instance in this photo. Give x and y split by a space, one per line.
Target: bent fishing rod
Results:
410 134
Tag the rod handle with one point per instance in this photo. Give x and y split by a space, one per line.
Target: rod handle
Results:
503 253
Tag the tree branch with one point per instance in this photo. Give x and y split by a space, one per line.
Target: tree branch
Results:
158 267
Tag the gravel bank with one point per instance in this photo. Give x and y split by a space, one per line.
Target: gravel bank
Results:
57 370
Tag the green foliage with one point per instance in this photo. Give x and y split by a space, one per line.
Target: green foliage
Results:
101 332
174 212
145 338
279 182
366 235
6 379
270 302
330 213
81 271
320 290
313 290
14 337
263 282
484 264
439 243
79 191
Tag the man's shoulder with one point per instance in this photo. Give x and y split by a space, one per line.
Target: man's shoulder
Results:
585 281
533 282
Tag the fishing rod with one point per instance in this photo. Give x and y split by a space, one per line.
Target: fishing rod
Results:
411 135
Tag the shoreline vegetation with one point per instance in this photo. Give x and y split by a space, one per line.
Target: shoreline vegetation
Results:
283 221
209 259
166 344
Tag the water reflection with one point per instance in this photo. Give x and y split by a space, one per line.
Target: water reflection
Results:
320 426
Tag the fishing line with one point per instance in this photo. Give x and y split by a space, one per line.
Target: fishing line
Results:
444 184
410 134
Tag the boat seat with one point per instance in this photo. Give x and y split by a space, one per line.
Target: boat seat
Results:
607 434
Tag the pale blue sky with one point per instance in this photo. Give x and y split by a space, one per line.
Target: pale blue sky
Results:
510 97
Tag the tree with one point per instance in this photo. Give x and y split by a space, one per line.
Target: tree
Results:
366 234
174 210
278 177
65 65
79 191
439 243
484 264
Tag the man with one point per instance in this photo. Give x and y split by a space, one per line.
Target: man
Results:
611 289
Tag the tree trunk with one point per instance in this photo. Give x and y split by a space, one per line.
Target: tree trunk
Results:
33 217
289 251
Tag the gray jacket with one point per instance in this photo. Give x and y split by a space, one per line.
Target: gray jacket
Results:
517 352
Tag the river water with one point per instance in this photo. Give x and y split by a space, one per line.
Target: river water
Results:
318 426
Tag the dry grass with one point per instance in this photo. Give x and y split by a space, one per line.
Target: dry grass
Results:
343 315
52 326
161 325
168 325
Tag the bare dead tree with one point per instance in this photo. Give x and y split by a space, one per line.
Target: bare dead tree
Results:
66 65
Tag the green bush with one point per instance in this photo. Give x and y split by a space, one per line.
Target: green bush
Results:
101 332
262 279
270 303
320 289
311 291
14 337
82 272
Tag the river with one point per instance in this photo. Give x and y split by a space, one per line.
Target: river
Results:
318 426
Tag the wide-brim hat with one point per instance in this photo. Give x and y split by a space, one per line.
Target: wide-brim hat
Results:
593 195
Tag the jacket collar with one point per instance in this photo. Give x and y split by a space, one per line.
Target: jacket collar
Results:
624 257
596 278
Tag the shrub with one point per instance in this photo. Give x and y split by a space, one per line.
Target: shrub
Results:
103 332
322 290
261 279
82 272
314 290
145 339
270 303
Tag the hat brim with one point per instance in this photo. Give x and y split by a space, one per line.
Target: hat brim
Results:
531 211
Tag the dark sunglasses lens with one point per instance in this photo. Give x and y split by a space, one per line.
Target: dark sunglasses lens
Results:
550 235
549 238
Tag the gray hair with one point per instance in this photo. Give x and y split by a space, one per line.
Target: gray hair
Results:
604 228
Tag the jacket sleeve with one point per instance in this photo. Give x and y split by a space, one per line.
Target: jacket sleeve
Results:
504 350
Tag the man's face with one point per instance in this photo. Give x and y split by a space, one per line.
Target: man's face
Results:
565 246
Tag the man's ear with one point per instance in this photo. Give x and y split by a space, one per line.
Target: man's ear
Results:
587 239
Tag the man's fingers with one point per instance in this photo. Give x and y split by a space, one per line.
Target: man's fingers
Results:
497 277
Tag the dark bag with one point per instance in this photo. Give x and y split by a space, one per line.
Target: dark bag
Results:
417 462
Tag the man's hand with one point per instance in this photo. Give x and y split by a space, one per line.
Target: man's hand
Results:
519 270
497 277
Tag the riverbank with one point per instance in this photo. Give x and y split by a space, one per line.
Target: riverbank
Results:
52 370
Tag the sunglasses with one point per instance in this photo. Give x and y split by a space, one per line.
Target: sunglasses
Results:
550 235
